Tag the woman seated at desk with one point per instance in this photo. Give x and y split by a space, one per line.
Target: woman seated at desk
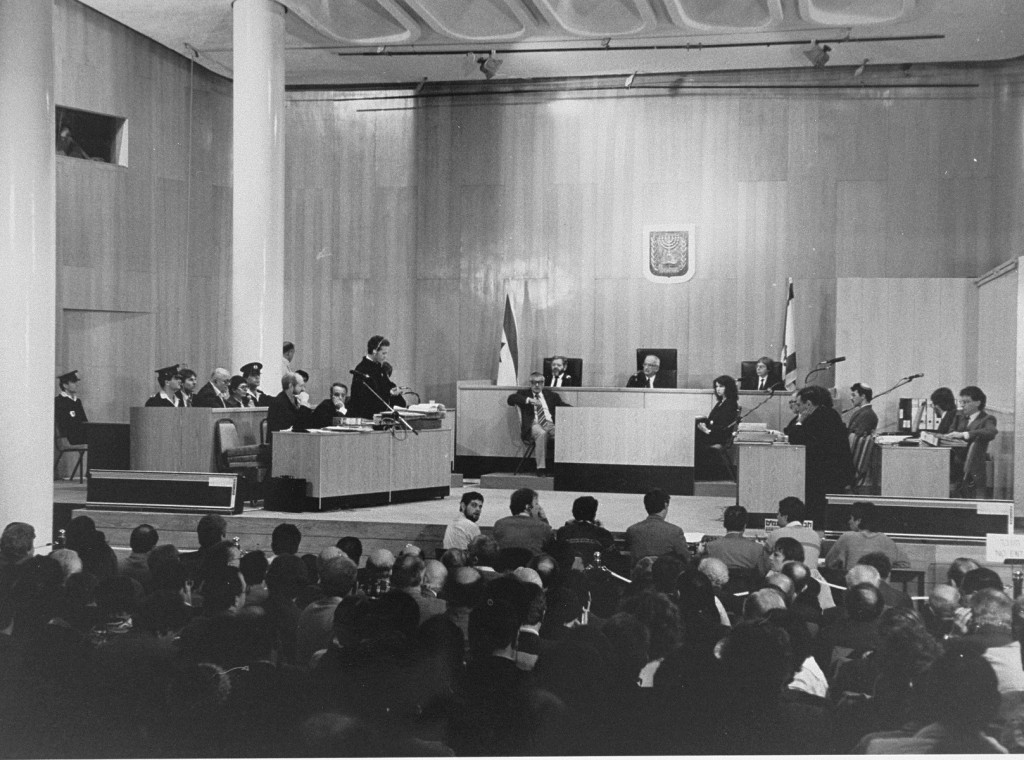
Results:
718 427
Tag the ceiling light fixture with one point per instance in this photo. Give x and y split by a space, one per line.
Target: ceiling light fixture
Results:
817 54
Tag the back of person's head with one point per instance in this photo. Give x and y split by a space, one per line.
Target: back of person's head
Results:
864 603
905 646
792 508
508 588
161 612
664 572
211 529
434 574
880 561
483 551
327 553
521 499
352 546
254 566
630 642
161 554
563 606
16 542
863 574
781 583
221 589
380 560
465 587
797 572
867 514
716 571
287 576
69 561
958 568
493 626
816 395
661 616
338 576
756 662
512 557
584 508
991 608
547 568
943 399
735 518
944 599
960 690
285 539
453 558
758 603
656 500
979 578
143 539
695 593
407 572
117 595
790 548
77 533
168 573
642 573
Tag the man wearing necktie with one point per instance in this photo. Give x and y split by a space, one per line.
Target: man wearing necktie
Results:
537 407
765 377
559 377
649 377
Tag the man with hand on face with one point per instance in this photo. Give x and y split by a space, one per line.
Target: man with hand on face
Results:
527 527
649 377
285 411
977 428
371 380
329 408
169 379
537 407
460 533
214 394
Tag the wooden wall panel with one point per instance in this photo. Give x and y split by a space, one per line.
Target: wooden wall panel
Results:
997 339
149 238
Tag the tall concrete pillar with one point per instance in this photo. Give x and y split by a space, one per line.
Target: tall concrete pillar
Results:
28 263
257 256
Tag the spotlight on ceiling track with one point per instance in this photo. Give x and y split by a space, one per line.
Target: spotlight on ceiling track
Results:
817 54
489 65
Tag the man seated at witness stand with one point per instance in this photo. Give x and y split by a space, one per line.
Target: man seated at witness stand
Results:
736 551
169 379
655 536
537 408
527 527
460 533
649 376
215 393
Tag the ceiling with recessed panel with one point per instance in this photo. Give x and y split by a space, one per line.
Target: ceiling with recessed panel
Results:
385 42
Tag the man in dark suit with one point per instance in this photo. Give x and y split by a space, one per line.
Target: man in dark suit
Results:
649 376
977 427
863 419
370 380
69 412
170 383
214 395
766 376
285 412
820 430
253 373
557 377
537 407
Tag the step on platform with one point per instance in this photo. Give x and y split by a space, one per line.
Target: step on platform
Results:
512 481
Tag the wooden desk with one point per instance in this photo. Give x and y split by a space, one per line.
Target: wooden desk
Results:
769 473
183 440
361 469
487 431
919 471
624 450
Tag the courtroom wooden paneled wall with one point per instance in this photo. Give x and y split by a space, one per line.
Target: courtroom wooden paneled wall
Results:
414 217
143 250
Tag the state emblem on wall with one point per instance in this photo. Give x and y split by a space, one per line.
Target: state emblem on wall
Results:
668 252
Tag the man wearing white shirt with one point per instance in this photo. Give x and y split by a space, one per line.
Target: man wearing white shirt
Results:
558 377
460 533
649 376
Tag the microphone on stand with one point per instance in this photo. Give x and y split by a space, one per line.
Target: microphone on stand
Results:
914 377
357 373
830 362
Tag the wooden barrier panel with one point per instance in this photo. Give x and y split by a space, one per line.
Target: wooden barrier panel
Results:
653 437
919 471
184 440
769 473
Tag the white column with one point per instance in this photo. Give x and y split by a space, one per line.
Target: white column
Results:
257 255
27 263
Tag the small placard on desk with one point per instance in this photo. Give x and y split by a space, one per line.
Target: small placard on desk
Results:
1000 547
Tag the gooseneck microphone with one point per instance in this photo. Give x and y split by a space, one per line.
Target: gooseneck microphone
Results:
357 373
914 377
829 362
